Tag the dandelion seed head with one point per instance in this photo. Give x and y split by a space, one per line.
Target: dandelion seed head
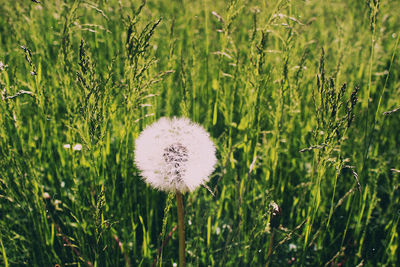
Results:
77 147
66 146
175 155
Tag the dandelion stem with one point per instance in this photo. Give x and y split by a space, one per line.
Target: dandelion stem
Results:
181 226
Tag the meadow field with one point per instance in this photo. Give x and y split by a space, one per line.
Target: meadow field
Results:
300 97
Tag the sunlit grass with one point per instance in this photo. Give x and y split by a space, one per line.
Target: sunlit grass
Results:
301 99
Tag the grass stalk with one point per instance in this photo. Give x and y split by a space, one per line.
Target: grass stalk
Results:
271 244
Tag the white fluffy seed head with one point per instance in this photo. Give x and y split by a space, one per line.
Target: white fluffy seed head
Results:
175 155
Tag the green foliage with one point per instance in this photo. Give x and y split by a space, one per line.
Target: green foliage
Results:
300 97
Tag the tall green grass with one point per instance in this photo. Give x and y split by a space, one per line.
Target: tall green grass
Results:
300 97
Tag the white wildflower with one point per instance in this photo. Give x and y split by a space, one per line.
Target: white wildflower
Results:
77 147
2 66
66 146
292 247
217 230
175 155
275 208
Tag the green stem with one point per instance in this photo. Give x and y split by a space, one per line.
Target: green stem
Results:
271 242
181 227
